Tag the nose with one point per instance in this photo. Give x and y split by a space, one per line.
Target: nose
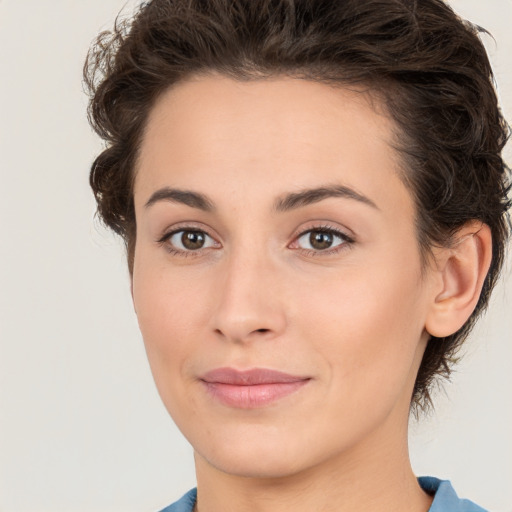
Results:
249 305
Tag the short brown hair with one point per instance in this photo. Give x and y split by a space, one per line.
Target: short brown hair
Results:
428 66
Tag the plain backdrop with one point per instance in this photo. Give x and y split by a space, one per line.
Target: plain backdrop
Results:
81 424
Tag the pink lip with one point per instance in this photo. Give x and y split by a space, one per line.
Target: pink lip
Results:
250 388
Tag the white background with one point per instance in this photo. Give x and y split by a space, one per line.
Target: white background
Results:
81 425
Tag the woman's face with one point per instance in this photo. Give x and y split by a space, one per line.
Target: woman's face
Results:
277 278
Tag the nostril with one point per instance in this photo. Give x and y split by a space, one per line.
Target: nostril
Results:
262 330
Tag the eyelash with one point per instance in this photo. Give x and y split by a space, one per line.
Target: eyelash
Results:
346 243
346 240
164 241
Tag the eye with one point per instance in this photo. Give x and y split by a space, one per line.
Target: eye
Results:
321 240
186 240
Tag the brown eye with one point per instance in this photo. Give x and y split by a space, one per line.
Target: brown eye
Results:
186 240
192 240
321 240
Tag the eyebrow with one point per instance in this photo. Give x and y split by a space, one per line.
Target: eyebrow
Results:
173 195
315 195
286 203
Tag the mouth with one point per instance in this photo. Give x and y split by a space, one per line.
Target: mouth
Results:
250 389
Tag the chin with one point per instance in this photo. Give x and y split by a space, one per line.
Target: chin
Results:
252 455
261 466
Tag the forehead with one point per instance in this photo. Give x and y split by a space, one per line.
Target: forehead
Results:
275 112
278 133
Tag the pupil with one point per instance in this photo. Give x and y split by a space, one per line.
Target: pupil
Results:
320 240
192 239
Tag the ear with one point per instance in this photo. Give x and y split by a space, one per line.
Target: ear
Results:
460 271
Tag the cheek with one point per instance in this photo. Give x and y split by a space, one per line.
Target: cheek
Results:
366 323
169 312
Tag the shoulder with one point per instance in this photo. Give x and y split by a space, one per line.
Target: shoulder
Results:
184 504
445 497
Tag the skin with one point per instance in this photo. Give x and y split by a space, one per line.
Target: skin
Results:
352 318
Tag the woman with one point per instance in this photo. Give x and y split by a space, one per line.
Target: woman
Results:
314 204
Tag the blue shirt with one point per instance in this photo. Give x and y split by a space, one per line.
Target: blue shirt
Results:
445 498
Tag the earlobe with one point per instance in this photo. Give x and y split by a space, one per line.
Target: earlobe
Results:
461 269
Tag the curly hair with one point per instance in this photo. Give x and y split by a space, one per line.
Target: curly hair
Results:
427 65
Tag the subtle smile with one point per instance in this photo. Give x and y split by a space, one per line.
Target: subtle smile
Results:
250 388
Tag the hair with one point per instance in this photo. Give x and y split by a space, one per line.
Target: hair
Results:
427 66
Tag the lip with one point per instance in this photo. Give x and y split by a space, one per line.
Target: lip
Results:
249 389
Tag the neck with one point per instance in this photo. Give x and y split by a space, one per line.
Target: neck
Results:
375 475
